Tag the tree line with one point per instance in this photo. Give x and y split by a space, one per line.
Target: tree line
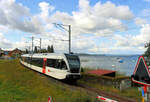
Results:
50 49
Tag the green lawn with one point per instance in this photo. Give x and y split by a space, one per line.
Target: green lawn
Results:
19 84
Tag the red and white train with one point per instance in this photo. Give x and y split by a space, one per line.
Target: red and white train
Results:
59 66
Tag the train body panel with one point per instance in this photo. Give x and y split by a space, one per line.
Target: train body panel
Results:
59 66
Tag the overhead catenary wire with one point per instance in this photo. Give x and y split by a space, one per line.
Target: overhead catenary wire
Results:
69 32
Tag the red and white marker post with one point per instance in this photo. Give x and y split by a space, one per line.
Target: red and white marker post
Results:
104 99
50 99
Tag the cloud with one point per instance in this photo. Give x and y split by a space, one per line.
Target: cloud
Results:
45 10
4 43
87 20
94 49
140 21
100 19
16 16
134 40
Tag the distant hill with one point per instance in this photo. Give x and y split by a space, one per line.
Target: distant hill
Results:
121 55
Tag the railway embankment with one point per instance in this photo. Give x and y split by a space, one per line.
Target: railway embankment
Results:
119 85
20 84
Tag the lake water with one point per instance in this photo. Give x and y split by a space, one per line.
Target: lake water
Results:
122 64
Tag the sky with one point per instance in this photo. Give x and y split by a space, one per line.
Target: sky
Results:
97 26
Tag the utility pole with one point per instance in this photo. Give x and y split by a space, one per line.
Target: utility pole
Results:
40 43
29 49
69 38
32 44
68 30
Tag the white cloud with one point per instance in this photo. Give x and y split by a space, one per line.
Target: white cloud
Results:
16 16
94 49
100 19
140 21
45 10
4 43
134 40
109 9
145 13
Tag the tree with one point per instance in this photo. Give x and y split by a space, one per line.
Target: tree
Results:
49 49
52 49
147 52
35 49
27 51
43 51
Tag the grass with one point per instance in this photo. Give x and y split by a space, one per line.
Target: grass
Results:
19 84
92 81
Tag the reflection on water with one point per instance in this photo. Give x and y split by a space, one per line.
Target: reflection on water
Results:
122 64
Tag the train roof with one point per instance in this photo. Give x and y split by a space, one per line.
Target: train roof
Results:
46 55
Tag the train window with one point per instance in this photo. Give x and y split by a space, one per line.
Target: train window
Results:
63 65
26 59
37 62
56 63
21 58
29 60
73 61
51 62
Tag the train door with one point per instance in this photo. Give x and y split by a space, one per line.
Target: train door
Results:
61 68
56 68
30 61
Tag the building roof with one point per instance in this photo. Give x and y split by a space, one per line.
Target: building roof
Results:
101 72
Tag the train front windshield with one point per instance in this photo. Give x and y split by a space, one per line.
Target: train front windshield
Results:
74 62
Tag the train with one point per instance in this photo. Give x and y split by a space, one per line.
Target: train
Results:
59 66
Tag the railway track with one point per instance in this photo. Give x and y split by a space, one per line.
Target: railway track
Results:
109 95
78 86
